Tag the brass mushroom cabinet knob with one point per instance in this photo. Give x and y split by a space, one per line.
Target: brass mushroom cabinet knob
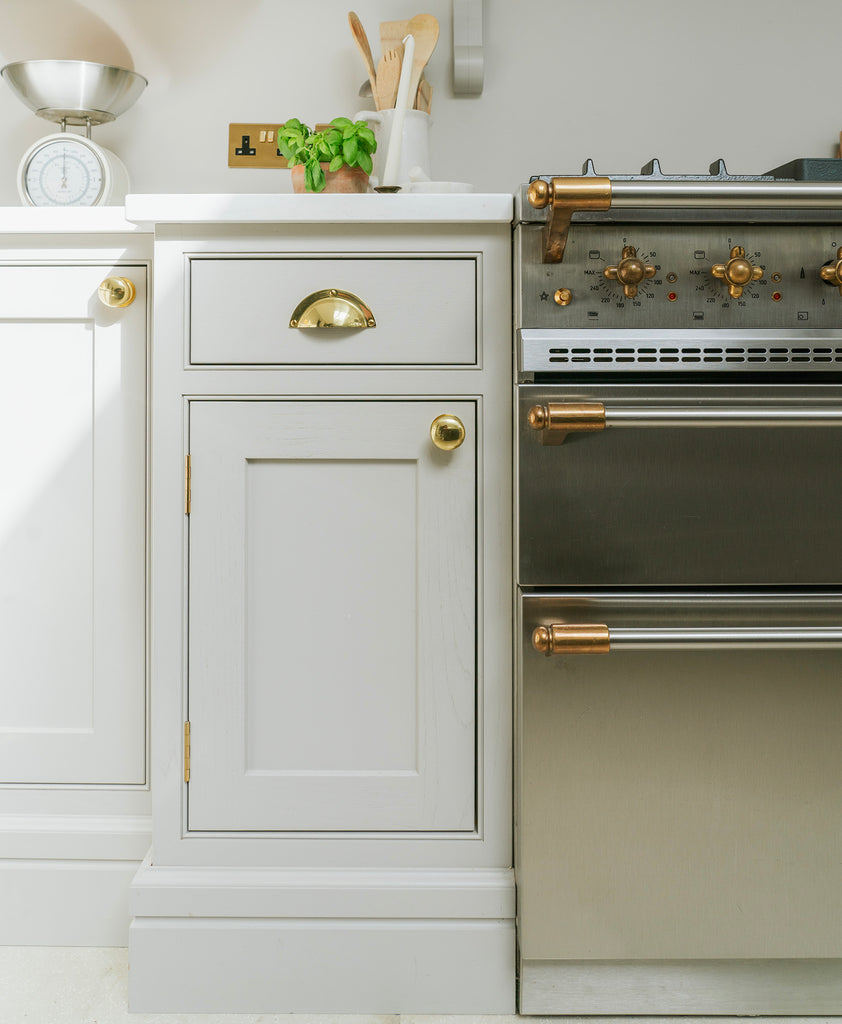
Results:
116 292
737 272
447 432
630 271
832 273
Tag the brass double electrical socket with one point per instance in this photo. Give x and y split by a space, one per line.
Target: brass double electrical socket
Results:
254 145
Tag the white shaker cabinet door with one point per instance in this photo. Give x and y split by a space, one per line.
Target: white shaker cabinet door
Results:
332 617
72 528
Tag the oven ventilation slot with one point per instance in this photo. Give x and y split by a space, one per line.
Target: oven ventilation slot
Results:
696 355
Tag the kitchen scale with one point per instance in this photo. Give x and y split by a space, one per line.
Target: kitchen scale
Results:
65 168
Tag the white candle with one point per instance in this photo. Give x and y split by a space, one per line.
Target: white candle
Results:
393 153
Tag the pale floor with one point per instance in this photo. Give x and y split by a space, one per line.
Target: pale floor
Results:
72 985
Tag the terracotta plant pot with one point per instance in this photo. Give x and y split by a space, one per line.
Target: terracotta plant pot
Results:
346 179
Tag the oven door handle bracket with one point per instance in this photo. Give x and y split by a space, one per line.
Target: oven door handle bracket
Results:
562 197
556 420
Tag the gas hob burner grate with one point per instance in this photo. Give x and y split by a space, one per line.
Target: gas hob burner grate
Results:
802 169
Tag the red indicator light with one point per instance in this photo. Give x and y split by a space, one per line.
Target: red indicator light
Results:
672 296
776 296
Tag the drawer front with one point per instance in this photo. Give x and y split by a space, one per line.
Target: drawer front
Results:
424 310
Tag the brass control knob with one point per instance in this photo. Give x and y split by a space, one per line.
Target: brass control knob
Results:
832 274
737 272
630 271
116 292
447 432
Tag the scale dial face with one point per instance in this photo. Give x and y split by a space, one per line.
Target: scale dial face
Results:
64 170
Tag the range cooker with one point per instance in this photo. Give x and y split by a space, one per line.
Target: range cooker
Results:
678 391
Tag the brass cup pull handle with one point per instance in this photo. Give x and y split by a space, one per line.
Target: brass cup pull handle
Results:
332 307
447 432
116 292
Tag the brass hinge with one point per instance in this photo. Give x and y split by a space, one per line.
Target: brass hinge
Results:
187 496
186 751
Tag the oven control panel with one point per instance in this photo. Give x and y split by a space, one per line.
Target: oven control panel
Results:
682 276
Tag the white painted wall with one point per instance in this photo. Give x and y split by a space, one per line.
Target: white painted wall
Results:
754 83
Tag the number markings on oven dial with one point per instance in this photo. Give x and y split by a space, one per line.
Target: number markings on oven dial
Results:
743 276
636 274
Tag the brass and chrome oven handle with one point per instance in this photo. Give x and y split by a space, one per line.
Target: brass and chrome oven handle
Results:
593 638
564 196
556 420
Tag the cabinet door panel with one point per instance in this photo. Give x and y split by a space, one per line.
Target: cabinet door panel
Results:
332 617
72 515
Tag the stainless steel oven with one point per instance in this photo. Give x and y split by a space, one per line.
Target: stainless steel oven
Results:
679 568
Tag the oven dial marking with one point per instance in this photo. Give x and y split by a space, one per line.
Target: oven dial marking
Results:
630 271
737 272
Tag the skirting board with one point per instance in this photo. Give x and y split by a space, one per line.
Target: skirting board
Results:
65 902
64 878
369 966
681 987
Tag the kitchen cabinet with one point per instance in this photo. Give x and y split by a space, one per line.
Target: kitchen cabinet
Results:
331 608
72 555
74 800
333 673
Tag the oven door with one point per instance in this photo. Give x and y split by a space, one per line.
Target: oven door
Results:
701 485
679 838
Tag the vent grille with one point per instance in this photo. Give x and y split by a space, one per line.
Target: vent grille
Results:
696 355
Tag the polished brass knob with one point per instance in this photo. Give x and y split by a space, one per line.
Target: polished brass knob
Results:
737 272
630 271
832 274
539 194
116 292
447 432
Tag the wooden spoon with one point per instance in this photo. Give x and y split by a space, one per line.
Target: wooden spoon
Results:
361 40
425 30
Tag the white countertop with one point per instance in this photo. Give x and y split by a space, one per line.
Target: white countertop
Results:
55 220
370 208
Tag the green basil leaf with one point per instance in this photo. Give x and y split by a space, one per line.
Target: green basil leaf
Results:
318 177
349 151
364 161
336 163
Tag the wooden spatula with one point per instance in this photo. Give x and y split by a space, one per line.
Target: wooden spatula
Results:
424 28
392 34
